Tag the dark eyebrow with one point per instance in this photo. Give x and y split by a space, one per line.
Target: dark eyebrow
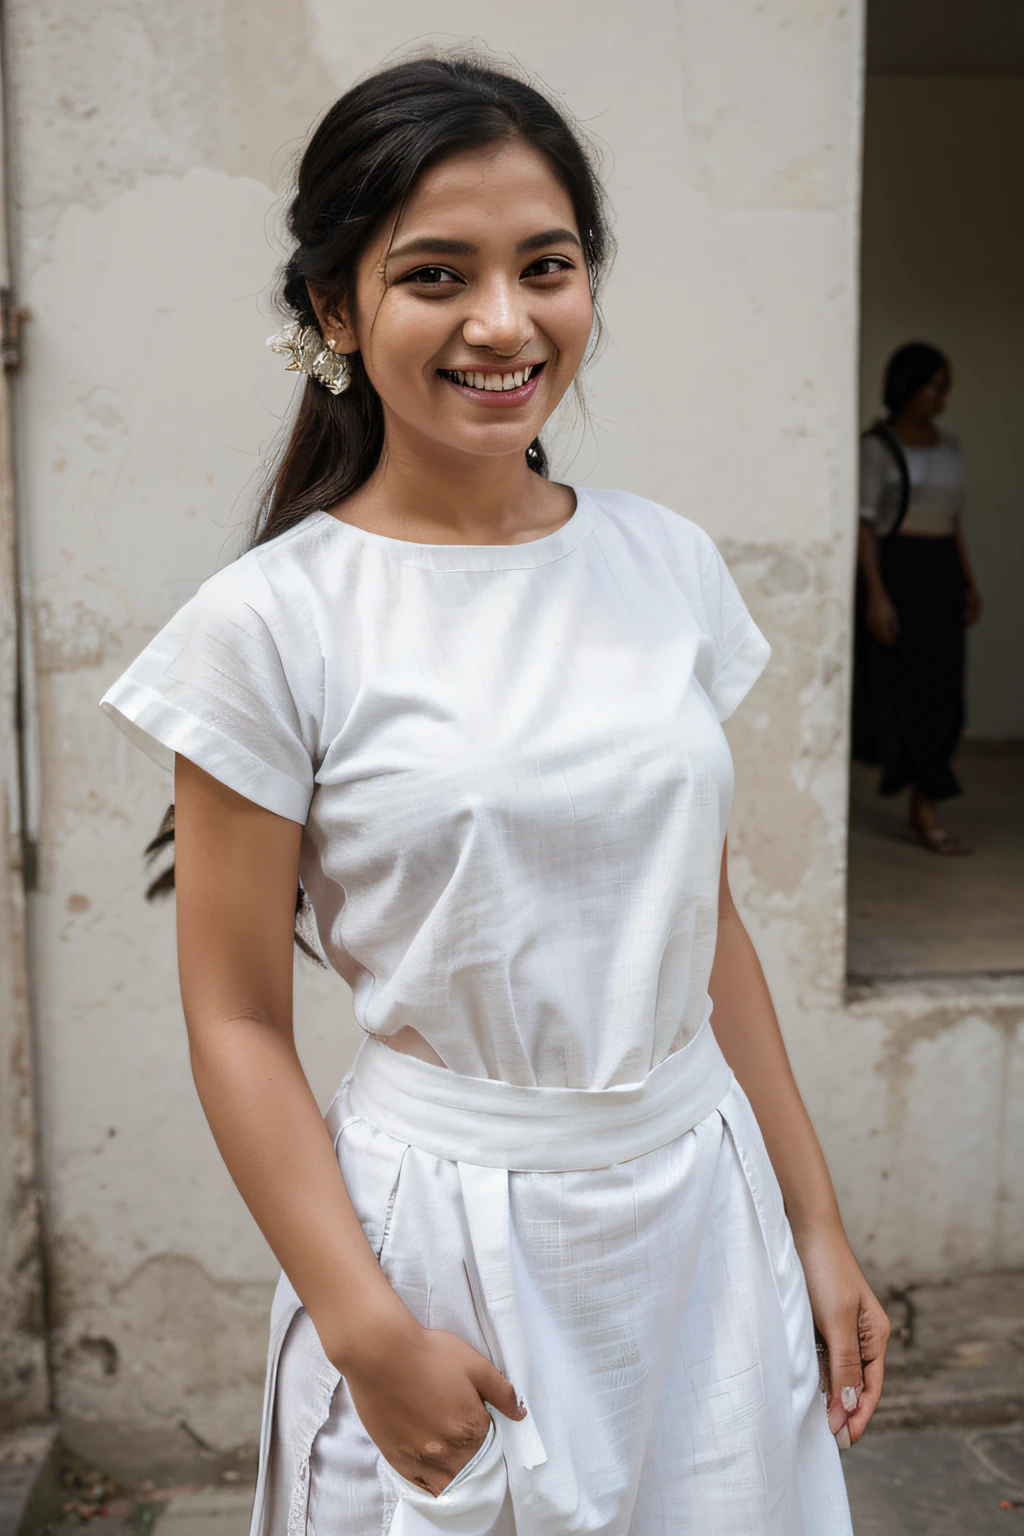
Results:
434 245
549 237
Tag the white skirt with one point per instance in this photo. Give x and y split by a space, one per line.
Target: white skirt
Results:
634 1276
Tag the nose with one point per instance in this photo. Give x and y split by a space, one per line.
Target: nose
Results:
499 319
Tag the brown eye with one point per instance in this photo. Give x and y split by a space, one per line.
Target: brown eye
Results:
430 277
548 266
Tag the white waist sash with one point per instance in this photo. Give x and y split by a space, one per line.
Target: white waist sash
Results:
490 1129
489 1124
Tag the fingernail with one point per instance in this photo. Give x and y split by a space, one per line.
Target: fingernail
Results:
521 1406
848 1398
843 1438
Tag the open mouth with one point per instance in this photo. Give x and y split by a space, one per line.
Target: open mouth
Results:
511 386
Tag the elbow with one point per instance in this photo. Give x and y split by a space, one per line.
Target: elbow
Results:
213 1037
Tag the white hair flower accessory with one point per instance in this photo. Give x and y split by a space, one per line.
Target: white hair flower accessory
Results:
311 355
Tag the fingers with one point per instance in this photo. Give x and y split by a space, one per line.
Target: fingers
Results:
497 1390
845 1382
856 1367
858 1421
874 1329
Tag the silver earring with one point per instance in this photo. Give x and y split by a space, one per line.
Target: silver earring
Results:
304 345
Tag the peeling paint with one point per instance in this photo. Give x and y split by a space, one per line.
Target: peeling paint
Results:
70 636
166 1343
95 87
24 1386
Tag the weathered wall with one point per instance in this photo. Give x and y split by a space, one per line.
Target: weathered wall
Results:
24 1387
147 146
943 253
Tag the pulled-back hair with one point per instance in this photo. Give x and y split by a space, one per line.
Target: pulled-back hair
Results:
909 369
359 167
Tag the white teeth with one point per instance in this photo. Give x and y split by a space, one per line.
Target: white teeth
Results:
492 381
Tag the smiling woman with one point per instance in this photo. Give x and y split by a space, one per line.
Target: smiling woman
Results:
546 1268
447 220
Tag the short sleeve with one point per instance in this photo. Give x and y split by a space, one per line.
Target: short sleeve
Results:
214 687
741 652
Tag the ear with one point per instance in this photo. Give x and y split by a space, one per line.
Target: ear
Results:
334 322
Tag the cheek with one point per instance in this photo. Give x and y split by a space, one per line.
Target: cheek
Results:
400 348
568 322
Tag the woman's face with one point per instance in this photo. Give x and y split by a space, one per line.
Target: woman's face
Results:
473 311
930 401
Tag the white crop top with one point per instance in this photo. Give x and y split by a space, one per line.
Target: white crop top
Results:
936 486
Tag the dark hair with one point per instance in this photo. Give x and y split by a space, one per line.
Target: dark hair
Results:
361 164
909 369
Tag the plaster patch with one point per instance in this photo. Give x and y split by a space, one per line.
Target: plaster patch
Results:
783 823
166 1344
755 141
156 414
71 636
904 1034
946 1129
93 89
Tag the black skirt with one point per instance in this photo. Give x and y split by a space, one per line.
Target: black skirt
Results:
908 698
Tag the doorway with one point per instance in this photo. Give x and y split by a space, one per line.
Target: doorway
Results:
942 250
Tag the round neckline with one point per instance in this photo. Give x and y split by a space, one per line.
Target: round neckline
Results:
479 557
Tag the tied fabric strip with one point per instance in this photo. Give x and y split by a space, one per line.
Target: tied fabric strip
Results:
485 1197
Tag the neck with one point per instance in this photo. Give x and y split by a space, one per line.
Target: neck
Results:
427 493
917 431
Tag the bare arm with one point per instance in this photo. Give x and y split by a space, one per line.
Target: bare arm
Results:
236 874
881 614
848 1316
867 556
236 877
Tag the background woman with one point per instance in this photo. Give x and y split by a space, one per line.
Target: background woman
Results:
918 594
538 1273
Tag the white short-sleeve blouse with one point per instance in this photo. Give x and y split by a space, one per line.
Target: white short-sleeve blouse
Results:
509 765
936 476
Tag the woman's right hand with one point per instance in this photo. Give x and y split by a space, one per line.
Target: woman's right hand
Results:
882 618
420 1394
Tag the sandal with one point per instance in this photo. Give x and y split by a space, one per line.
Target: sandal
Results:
940 841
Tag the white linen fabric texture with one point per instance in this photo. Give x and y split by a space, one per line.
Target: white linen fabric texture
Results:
936 486
509 765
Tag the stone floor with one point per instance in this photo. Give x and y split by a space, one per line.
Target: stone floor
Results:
937 1483
912 913
901 1483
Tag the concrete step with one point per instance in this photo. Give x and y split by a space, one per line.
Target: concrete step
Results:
23 1455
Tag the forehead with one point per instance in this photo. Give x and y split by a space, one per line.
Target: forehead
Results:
504 190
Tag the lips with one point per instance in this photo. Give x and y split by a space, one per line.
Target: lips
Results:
511 387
